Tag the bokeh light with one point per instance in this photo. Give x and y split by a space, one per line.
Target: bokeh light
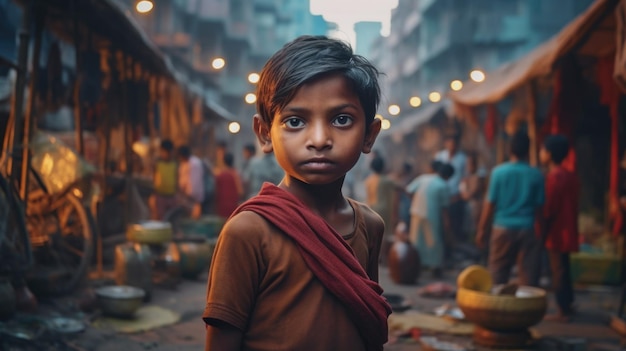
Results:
415 101
218 63
434 97
234 127
250 98
394 110
477 75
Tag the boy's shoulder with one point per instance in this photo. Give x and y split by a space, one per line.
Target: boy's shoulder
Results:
246 224
373 221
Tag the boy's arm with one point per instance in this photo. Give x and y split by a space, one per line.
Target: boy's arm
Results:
224 338
375 231
233 284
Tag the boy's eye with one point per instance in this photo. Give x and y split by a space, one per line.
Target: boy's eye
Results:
342 121
293 122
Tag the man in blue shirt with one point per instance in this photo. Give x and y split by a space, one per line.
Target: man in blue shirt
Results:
514 201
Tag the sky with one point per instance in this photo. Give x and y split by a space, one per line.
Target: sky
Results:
347 12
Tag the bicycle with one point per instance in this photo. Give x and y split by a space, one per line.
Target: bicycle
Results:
56 239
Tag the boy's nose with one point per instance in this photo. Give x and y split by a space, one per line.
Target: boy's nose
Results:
319 136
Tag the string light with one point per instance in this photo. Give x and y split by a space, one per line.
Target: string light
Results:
218 63
434 96
415 101
253 78
250 98
234 127
456 85
477 75
385 124
394 110
144 6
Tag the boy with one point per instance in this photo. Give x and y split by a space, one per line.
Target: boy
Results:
560 226
295 267
165 183
515 198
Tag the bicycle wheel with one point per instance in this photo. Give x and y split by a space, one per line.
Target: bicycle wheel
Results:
63 259
15 247
77 239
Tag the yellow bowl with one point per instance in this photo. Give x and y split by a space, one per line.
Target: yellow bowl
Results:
475 277
503 312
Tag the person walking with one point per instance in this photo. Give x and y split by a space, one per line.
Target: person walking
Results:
514 203
430 221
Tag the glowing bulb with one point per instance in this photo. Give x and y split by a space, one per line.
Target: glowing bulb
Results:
379 116
415 101
234 127
218 63
385 124
456 85
250 98
394 110
477 75
144 6
434 97
253 78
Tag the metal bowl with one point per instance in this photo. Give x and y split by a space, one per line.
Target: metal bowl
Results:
503 312
120 300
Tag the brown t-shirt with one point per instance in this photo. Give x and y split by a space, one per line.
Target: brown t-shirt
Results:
260 284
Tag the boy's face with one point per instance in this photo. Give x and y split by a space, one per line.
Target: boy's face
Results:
544 156
320 134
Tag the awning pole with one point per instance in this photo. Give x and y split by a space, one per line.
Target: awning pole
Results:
14 135
40 16
78 125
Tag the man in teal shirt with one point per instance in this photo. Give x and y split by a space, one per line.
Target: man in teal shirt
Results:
514 201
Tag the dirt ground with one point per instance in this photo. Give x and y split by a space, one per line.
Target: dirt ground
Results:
589 328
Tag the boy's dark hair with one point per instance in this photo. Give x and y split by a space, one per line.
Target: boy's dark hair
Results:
435 165
250 148
445 171
229 159
307 58
520 144
167 145
184 151
377 165
558 146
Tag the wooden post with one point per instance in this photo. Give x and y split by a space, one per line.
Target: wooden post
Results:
40 17
15 134
78 125
532 124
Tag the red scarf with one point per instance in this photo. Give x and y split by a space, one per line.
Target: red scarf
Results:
330 259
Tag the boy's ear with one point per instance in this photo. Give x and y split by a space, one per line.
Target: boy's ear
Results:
370 136
262 134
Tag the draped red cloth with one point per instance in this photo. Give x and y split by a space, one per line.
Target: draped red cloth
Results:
491 124
564 110
610 95
330 259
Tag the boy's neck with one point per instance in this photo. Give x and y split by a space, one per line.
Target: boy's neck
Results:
319 198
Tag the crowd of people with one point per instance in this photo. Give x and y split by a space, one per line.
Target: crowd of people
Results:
516 216
182 179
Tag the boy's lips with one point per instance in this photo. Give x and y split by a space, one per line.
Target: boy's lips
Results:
318 163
